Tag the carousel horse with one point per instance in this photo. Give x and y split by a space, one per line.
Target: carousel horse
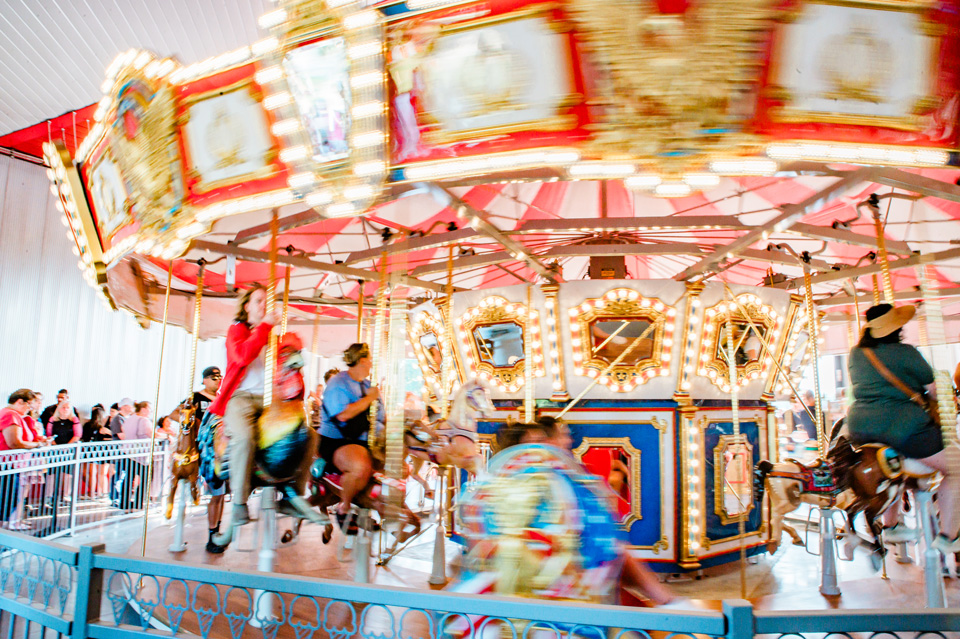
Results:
282 436
186 458
440 445
452 442
855 480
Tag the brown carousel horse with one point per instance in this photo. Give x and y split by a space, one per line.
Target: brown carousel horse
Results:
864 480
186 457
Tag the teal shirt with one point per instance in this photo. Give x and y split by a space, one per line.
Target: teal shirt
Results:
880 412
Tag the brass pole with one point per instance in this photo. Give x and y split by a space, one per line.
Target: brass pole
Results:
360 312
286 301
153 431
735 414
882 256
814 331
315 347
856 305
378 345
197 301
528 360
271 358
448 365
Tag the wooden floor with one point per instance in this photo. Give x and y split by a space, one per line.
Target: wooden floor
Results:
788 580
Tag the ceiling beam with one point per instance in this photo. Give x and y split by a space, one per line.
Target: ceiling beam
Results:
843 236
477 219
290 222
789 215
434 240
915 183
867 298
610 224
306 263
847 273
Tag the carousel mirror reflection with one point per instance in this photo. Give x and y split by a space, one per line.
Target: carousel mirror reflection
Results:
431 348
611 337
733 467
499 344
617 463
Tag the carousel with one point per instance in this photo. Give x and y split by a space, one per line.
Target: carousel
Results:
654 243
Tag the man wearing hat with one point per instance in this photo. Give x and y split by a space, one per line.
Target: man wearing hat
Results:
202 399
345 424
889 380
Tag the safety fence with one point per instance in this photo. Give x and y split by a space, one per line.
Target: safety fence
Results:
47 588
58 490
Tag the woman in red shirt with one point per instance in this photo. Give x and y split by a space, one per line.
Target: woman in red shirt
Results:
15 433
240 401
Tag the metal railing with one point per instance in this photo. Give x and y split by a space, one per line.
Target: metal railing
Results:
59 490
86 592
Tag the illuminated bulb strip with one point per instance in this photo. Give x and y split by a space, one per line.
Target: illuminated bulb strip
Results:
246 204
268 74
365 80
490 163
365 50
369 109
277 100
693 493
673 189
371 138
745 166
647 181
859 154
285 127
601 170
272 19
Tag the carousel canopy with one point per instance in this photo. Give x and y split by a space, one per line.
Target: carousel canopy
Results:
509 141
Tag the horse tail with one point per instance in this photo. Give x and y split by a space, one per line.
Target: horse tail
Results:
760 477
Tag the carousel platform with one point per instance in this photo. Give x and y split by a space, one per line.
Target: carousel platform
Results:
785 581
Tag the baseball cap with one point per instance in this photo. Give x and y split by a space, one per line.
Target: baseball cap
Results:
126 401
211 371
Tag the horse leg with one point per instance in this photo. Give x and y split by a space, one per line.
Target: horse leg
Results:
794 535
173 495
195 487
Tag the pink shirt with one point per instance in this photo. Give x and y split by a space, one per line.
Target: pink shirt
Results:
8 418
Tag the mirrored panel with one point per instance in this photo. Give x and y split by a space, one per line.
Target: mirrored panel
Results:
617 463
624 329
756 329
431 348
491 337
500 344
613 337
733 478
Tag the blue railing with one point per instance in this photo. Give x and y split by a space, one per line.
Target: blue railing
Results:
48 588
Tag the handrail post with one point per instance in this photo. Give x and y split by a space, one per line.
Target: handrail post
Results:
75 488
89 590
739 618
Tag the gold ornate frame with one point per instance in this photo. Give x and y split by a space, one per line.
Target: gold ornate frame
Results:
424 323
622 303
719 465
623 443
666 499
496 310
924 104
558 122
762 315
701 425
269 158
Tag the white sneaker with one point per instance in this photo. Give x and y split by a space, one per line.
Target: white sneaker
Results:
946 545
899 533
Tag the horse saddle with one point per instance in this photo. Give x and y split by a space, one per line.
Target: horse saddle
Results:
894 465
818 477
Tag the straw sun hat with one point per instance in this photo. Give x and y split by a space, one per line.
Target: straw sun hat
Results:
884 319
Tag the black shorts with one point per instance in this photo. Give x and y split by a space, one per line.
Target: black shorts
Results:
329 446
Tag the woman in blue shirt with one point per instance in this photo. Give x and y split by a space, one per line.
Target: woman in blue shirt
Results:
345 424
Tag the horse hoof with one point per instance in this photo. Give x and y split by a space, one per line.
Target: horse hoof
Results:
327 534
169 513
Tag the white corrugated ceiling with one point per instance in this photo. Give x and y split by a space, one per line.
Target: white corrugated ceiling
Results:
53 53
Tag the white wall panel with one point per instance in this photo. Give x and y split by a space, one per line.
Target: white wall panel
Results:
54 330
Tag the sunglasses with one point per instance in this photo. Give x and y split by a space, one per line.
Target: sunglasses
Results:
215 376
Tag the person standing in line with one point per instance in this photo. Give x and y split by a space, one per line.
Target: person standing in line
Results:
64 424
136 426
16 435
62 395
